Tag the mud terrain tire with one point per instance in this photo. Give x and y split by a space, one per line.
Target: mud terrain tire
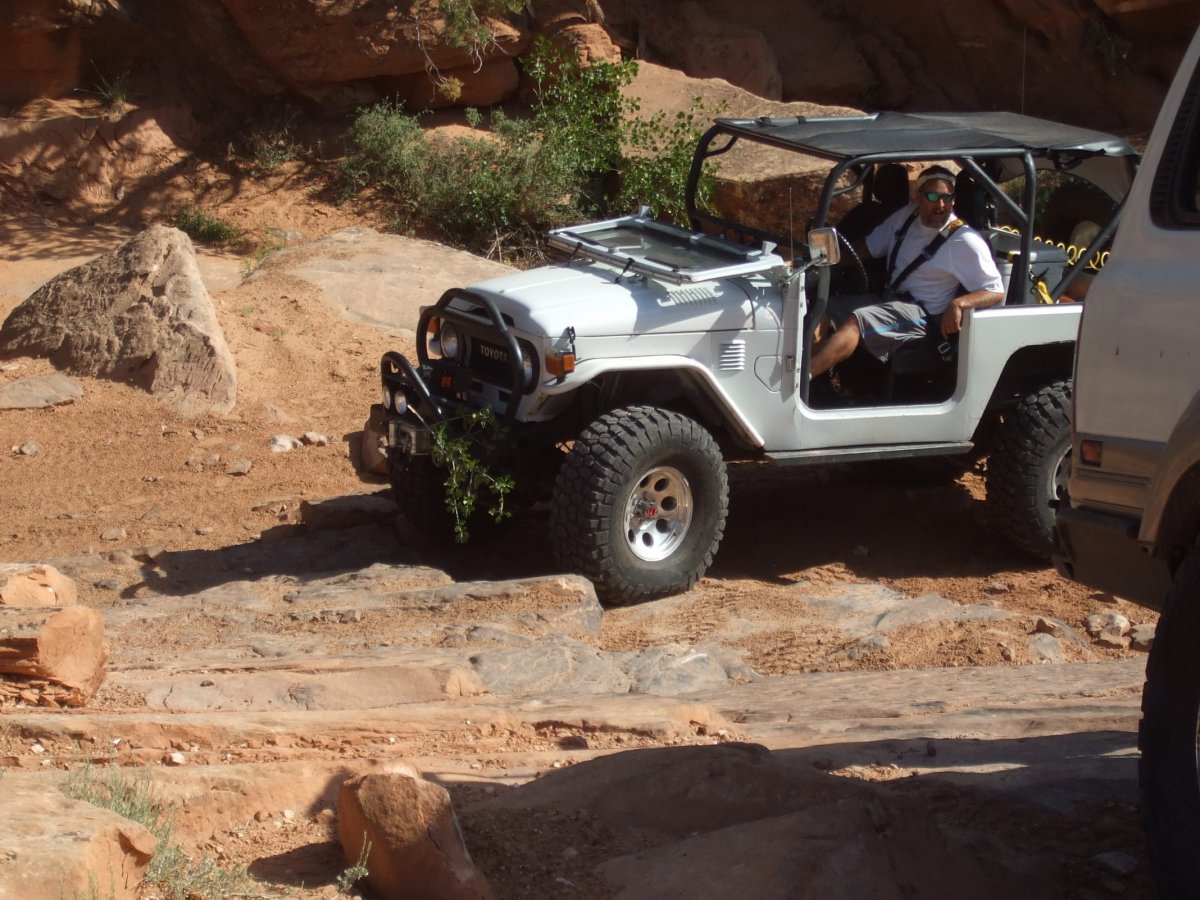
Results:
1167 770
1027 468
419 489
640 503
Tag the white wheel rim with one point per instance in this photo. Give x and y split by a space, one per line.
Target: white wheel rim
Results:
658 514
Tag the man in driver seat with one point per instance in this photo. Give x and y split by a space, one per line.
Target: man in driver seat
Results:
937 267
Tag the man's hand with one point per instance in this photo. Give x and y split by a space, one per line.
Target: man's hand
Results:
953 316
952 319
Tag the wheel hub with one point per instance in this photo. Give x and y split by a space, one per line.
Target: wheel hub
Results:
658 513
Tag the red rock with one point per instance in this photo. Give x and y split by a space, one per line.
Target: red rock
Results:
416 845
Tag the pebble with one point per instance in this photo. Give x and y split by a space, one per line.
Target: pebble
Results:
1048 626
1113 623
282 443
29 448
174 759
239 467
314 439
205 529
116 533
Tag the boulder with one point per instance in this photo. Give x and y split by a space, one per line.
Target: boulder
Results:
59 653
140 313
416 847
55 847
33 584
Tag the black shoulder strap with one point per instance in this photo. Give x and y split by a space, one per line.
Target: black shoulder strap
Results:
925 255
897 240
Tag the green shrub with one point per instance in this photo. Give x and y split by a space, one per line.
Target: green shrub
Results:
177 876
583 153
205 227
114 92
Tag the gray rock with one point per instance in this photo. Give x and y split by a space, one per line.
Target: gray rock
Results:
314 439
1049 626
283 443
39 393
555 665
1045 647
670 671
1141 637
140 313
1112 622
239 467
29 448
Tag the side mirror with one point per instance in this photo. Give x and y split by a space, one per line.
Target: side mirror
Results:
824 249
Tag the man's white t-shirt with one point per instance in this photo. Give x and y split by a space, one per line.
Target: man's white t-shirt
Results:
965 260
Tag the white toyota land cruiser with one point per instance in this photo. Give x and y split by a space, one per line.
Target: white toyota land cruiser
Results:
1133 519
630 372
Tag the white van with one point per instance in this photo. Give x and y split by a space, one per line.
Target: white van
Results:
1132 521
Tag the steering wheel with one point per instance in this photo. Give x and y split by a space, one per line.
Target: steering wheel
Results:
856 280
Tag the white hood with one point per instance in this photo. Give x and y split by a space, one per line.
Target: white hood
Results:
596 301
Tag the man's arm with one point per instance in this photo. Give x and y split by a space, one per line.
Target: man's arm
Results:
953 316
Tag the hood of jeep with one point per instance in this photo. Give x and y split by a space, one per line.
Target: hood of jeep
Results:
596 302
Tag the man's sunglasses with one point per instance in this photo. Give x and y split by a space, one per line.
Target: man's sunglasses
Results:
934 197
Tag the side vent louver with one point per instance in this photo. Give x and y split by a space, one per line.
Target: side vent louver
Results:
733 356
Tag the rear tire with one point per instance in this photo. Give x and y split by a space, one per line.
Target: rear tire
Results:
1167 737
1027 468
640 504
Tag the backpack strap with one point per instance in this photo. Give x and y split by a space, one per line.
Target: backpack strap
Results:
925 255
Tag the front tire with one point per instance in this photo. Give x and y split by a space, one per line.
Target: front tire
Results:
419 489
1028 468
640 504
1167 737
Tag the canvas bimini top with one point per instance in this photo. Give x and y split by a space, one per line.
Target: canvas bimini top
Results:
979 134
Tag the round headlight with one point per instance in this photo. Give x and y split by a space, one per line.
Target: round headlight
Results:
449 341
387 399
400 402
526 368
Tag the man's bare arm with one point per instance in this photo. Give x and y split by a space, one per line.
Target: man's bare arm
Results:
952 317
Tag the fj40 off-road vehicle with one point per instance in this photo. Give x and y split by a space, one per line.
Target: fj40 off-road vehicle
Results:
629 373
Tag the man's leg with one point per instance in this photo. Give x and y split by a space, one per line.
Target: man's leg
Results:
838 346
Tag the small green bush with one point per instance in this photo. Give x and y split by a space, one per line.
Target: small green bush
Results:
205 227
114 92
177 876
585 152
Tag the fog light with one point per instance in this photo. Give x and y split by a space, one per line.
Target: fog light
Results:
448 337
400 403
526 369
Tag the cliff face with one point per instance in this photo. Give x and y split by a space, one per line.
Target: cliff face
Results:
1062 59
205 69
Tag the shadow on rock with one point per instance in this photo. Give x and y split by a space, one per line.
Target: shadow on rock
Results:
741 820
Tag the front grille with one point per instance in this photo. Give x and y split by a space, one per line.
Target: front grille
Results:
490 361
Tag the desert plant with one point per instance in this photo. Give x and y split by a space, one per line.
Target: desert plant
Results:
584 152
205 227
355 873
113 92
177 876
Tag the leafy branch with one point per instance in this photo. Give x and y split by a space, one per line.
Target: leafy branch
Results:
466 474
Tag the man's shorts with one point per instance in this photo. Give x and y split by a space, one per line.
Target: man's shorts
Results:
884 325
